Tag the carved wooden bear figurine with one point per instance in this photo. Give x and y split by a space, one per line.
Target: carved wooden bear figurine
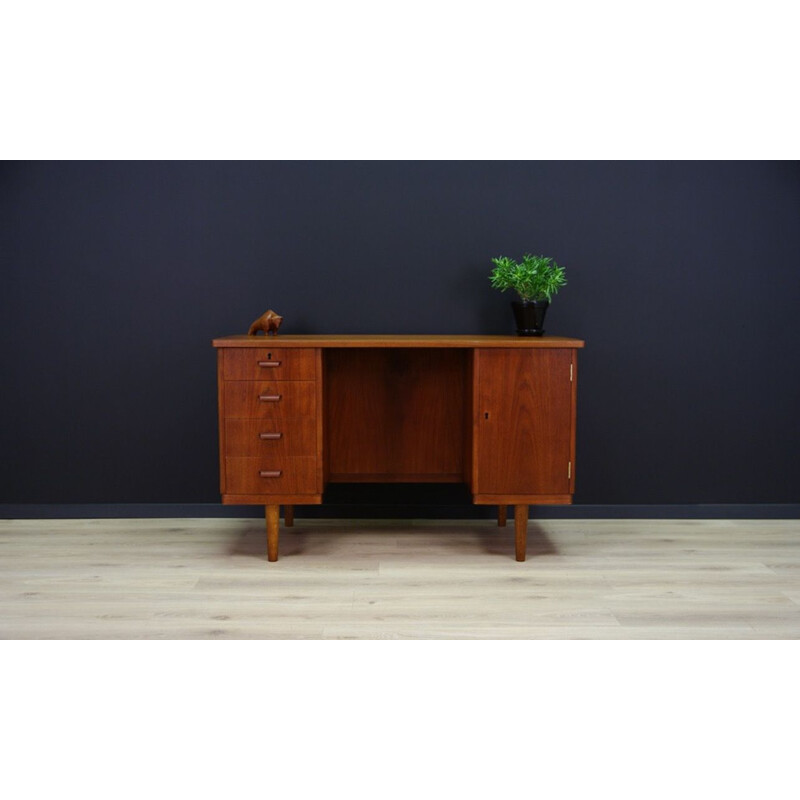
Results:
269 322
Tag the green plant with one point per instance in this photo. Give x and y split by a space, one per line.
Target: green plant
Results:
533 278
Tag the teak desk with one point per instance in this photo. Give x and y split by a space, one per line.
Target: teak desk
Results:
299 412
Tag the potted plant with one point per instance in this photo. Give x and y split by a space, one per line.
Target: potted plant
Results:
535 279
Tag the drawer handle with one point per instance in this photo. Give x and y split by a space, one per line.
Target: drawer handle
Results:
269 363
270 473
269 398
270 435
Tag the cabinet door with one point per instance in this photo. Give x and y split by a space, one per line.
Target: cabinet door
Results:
523 421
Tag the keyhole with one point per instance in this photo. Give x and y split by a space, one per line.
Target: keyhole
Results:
486 415
269 356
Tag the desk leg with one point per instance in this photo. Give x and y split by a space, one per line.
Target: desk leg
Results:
273 524
521 530
501 516
288 516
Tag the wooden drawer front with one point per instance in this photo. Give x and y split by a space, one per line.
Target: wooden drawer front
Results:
270 364
267 438
297 475
254 399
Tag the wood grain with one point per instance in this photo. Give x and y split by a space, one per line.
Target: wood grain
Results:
402 340
306 499
298 475
395 414
469 429
528 499
280 364
252 437
221 419
272 515
416 579
397 408
524 418
319 419
520 531
297 399
573 421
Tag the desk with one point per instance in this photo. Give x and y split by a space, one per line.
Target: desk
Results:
299 412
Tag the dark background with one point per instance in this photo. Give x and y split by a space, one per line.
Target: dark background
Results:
684 280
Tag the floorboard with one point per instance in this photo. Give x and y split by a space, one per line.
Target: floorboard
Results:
584 579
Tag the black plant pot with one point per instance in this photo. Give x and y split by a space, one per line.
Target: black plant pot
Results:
529 315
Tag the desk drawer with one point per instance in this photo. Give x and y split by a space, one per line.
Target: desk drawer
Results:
267 475
269 363
266 438
270 399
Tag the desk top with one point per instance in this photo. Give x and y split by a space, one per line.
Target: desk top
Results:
398 340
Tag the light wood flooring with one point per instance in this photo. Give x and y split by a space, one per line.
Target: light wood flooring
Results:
584 579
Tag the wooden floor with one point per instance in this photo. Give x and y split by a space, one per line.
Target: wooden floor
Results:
584 579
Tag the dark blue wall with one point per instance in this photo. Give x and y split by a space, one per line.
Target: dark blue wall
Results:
684 279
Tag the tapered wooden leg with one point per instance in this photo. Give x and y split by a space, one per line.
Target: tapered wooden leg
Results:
273 525
288 516
501 516
521 530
